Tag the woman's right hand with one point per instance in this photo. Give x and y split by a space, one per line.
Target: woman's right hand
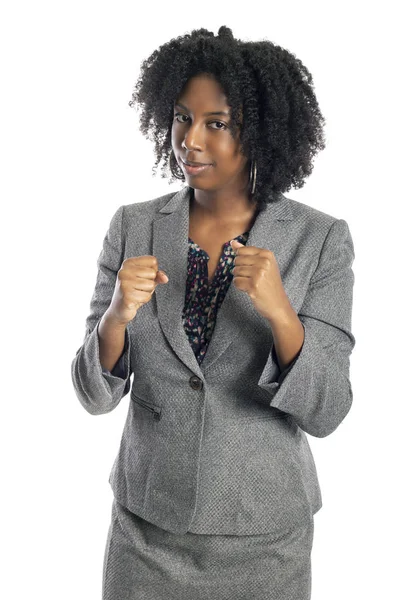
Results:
136 281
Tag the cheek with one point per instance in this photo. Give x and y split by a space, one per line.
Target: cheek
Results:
173 135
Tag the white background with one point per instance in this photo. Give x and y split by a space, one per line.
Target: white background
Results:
71 154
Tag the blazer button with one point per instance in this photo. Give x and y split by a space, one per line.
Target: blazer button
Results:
195 382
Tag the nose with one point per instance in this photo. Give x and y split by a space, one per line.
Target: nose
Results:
192 139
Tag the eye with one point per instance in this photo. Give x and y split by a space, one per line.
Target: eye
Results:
186 117
220 122
180 115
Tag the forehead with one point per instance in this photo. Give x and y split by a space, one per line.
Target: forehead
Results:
203 90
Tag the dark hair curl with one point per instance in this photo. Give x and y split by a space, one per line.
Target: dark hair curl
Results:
282 128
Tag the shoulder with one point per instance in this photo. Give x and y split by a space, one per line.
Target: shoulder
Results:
305 212
147 208
315 228
139 216
312 222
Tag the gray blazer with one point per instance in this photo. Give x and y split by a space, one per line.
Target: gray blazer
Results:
221 448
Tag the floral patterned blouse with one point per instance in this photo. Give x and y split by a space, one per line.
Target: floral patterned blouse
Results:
201 300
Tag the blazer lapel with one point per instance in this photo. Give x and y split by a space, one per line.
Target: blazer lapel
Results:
170 246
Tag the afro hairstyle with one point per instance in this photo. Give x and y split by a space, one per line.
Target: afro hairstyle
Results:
271 98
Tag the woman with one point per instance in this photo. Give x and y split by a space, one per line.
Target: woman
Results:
239 344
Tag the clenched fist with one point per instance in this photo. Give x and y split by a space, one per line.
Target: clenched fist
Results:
136 281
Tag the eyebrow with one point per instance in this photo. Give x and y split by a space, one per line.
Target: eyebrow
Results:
206 114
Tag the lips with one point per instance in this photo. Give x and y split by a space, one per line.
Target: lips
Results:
190 163
194 170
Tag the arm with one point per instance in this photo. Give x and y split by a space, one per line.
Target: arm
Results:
112 344
288 334
315 388
98 389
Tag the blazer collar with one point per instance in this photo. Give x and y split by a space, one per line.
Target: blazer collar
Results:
170 246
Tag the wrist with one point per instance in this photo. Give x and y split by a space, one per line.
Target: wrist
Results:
284 316
111 321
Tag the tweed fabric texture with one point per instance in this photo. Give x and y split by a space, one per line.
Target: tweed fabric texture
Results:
145 562
221 447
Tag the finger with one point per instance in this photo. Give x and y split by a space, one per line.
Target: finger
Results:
245 250
251 260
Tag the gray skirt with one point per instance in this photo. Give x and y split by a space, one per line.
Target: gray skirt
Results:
144 562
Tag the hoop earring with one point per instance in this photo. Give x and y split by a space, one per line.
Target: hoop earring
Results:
253 176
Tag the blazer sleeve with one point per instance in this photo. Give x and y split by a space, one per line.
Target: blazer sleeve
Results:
98 389
315 388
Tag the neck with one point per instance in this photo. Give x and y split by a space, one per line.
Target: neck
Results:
222 206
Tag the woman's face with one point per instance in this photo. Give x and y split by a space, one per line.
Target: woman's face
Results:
205 138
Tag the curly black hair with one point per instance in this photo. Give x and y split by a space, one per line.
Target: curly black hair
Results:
282 126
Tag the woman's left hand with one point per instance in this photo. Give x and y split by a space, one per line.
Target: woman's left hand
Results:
256 272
